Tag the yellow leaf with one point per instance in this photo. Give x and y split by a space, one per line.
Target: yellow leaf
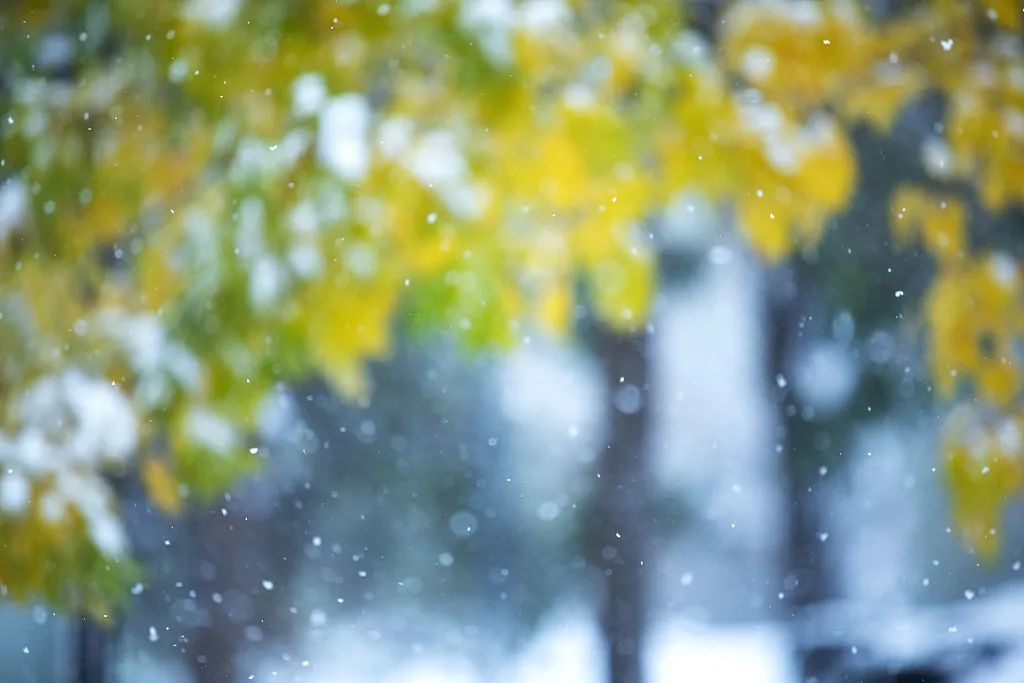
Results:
555 307
940 222
984 470
975 315
161 486
797 52
827 171
764 224
622 287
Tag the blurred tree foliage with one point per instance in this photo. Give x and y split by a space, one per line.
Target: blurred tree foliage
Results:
199 200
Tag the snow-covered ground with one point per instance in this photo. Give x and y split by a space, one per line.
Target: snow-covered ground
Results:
565 649
975 641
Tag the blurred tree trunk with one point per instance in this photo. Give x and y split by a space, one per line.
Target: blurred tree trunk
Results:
93 649
807 578
215 644
237 550
620 496
93 643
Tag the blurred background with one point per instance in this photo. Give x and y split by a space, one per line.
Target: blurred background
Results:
488 340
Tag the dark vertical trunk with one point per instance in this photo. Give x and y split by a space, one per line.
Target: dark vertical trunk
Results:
808 577
216 647
93 643
620 497
215 644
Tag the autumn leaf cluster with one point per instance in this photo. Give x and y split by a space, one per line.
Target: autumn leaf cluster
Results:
199 201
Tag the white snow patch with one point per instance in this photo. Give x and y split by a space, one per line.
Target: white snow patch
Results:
15 492
14 206
213 13
757 63
159 361
209 430
309 92
84 418
543 16
492 21
343 139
